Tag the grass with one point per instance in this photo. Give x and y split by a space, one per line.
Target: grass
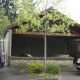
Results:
41 74
22 71
47 75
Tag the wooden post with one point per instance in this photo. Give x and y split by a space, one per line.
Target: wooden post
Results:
68 47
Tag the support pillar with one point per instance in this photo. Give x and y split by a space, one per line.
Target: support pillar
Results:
68 47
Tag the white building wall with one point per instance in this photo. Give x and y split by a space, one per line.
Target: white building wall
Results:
7 44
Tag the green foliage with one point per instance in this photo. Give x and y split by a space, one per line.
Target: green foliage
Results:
36 67
22 71
52 69
4 22
36 20
9 9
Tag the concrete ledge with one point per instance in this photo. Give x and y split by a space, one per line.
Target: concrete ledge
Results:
41 58
22 61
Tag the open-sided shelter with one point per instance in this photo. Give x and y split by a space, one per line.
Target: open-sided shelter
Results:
59 45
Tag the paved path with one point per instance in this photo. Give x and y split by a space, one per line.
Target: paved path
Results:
70 73
8 73
67 73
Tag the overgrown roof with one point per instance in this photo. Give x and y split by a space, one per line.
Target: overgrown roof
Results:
75 30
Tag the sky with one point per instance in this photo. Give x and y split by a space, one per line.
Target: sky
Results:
73 9
68 7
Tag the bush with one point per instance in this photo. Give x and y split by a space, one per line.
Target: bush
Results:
52 68
36 67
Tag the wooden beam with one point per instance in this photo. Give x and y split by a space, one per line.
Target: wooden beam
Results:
63 35
30 33
73 31
31 36
12 26
48 34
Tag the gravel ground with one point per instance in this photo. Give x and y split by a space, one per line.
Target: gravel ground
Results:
8 73
69 73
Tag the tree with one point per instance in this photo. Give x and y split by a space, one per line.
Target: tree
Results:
4 22
55 21
48 20
9 9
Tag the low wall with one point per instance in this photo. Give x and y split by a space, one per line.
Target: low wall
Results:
22 61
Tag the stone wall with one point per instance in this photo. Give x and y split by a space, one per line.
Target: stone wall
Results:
22 61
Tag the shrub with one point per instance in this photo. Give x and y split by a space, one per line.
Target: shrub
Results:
52 68
36 67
